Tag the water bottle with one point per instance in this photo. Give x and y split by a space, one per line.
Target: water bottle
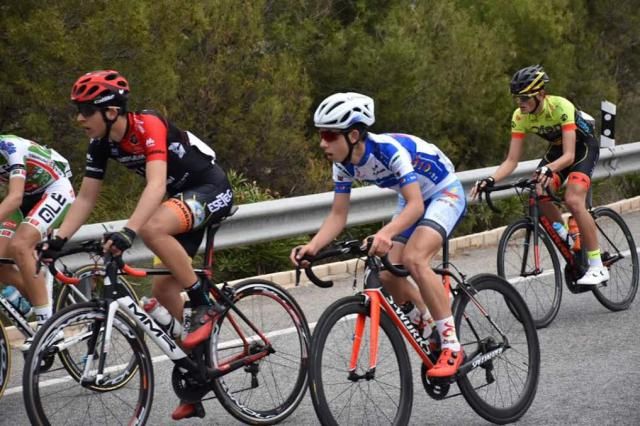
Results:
562 233
186 318
160 314
574 233
18 301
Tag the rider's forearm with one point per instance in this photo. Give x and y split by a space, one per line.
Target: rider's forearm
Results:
76 217
564 161
10 204
330 229
407 217
505 169
148 204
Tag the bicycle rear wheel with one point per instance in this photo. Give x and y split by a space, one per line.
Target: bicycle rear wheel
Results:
541 289
90 287
268 390
619 253
53 397
503 387
386 397
5 359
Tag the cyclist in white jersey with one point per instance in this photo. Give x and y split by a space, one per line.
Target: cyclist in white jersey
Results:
39 194
431 202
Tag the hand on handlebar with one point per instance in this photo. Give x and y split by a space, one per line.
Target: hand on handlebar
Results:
544 175
117 242
50 249
299 252
480 186
379 244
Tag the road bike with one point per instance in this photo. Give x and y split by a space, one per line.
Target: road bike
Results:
255 360
360 370
528 260
62 296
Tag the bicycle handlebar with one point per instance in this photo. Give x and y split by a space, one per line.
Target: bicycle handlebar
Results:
90 247
524 183
353 247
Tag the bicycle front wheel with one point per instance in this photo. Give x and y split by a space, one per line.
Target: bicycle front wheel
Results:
90 287
343 397
268 390
539 284
620 255
501 388
53 397
5 359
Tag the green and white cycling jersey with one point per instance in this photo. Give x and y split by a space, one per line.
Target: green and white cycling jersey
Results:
39 165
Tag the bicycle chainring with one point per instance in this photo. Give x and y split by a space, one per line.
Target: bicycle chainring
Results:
436 391
186 387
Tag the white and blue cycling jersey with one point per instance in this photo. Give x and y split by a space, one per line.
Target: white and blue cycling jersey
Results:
394 160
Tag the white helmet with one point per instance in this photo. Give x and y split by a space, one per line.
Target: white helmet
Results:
342 110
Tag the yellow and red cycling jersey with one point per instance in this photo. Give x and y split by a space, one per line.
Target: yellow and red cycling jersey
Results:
557 114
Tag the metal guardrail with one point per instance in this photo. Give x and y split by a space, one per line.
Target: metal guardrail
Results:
277 219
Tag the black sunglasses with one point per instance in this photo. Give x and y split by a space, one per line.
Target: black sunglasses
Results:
87 110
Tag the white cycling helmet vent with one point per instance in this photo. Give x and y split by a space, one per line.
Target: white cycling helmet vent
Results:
343 110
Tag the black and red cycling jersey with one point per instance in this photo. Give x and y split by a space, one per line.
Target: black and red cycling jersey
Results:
149 137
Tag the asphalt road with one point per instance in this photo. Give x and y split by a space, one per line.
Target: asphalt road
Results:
590 371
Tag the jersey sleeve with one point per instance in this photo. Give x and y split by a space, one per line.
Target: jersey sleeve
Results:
399 162
342 180
15 154
97 156
154 138
565 113
517 125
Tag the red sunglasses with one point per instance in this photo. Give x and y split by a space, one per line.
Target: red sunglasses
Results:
329 136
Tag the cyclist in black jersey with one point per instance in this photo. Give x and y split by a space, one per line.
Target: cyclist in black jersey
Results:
572 156
176 165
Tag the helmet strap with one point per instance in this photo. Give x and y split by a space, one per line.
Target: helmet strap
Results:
535 110
108 122
348 159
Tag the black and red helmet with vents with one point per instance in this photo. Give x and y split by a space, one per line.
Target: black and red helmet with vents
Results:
102 88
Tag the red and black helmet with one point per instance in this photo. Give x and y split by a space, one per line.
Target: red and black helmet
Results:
102 88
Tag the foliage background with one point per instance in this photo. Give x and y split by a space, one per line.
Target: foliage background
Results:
245 76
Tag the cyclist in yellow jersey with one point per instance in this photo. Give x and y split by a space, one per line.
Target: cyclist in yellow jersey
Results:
572 155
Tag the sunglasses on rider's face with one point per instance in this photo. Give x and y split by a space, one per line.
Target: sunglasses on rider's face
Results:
525 98
87 110
329 136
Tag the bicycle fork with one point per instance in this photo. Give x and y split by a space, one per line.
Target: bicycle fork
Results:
377 302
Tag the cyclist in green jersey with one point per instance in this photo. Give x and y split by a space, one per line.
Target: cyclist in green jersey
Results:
572 156
39 194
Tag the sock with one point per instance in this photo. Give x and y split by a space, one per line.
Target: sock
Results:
42 313
197 295
448 337
594 258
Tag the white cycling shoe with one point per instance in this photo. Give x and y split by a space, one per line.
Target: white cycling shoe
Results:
594 276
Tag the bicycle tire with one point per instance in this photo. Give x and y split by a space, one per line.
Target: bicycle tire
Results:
84 291
519 363
269 390
5 359
541 292
620 291
47 394
370 401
